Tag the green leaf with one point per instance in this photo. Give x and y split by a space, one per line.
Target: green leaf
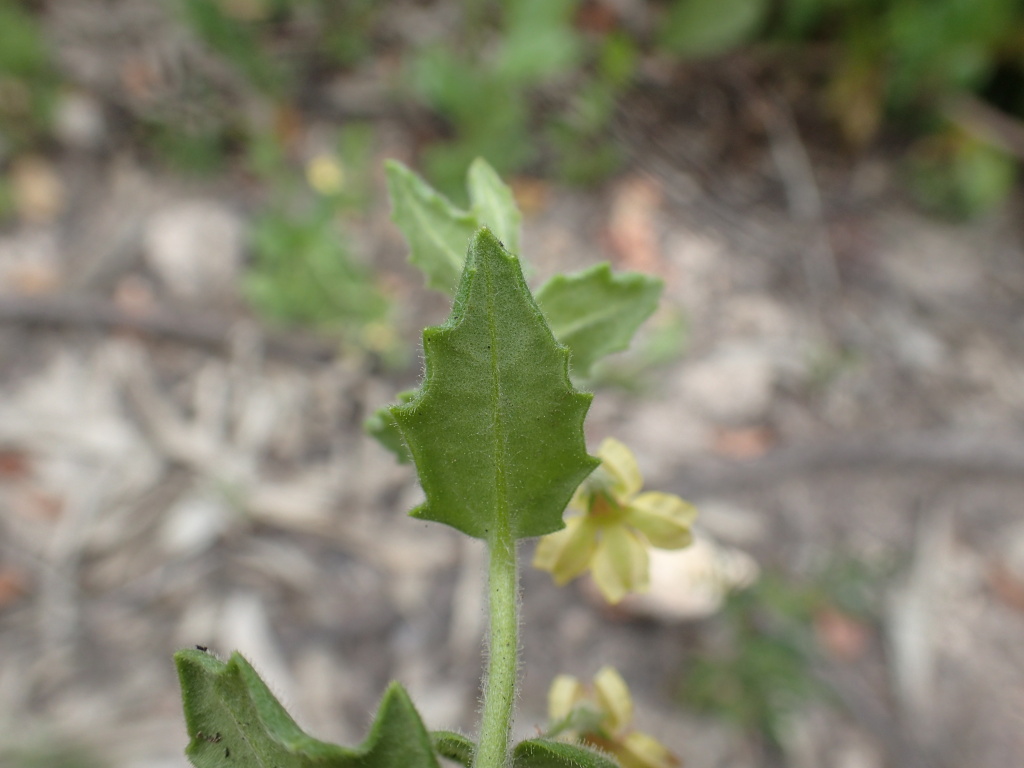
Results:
437 231
496 429
493 204
539 42
595 313
384 428
711 27
545 753
454 746
234 721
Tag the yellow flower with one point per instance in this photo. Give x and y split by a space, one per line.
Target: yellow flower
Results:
325 174
601 718
615 527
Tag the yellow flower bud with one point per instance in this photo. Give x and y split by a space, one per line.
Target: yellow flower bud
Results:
602 718
565 692
325 174
614 698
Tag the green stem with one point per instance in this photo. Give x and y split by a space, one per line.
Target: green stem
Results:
503 654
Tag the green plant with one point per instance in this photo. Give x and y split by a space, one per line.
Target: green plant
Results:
304 272
239 38
28 79
896 62
593 312
496 434
188 150
959 175
694 28
279 44
760 672
529 86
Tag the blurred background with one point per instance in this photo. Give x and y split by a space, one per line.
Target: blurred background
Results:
202 298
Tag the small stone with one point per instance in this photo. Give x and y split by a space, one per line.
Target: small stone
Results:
38 190
733 386
78 121
30 262
196 248
732 523
194 524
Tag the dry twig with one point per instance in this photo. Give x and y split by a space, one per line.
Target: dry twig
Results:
195 329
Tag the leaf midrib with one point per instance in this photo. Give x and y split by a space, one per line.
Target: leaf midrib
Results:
501 500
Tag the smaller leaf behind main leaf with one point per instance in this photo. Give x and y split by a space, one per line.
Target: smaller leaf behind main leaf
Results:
493 204
234 721
382 425
437 231
595 312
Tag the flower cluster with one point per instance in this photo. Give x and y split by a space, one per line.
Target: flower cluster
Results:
614 526
601 717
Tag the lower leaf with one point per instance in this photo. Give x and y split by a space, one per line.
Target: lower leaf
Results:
234 720
454 746
545 753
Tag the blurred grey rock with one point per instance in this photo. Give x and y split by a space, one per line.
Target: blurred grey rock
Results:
78 121
194 523
734 385
195 248
732 523
933 262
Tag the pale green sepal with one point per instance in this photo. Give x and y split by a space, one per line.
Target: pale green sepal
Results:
595 312
545 753
234 721
454 746
496 429
382 426
437 231
493 204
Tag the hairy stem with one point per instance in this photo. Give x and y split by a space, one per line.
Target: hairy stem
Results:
503 654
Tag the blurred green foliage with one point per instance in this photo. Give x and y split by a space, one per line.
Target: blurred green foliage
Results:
304 272
244 37
200 151
532 84
28 79
517 83
889 62
958 175
278 44
695 28
759 674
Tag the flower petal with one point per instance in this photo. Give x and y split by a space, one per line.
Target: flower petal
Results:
663 518
620 463
563 695
567 553
614 698
639 750
620 564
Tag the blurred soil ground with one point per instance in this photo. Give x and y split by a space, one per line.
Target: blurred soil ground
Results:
850 384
